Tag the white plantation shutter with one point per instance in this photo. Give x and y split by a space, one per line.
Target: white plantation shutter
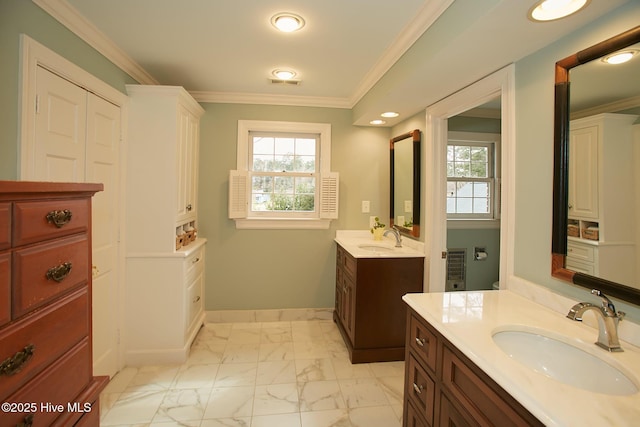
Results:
329 186
238 194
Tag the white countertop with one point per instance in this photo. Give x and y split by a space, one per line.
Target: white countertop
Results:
356 243
468 319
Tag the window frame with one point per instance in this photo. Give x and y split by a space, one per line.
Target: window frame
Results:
284 220
491 140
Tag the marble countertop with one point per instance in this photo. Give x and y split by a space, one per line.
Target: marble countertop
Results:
468 320
356 242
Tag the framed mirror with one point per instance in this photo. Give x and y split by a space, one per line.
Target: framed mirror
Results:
405 183
596 187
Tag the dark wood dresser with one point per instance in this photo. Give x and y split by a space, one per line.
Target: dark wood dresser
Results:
46 374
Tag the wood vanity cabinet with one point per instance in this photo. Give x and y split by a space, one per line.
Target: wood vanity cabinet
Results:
45 305
369 310
444 388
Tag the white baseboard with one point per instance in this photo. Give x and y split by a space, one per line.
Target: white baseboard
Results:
276 315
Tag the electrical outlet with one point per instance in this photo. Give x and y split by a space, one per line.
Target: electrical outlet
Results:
366 206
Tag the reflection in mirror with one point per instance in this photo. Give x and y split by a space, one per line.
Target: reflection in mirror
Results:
405 183
596 238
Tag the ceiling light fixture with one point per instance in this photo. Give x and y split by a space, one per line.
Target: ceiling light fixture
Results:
549 10
377 122
287 22
284 74
620 57
389 114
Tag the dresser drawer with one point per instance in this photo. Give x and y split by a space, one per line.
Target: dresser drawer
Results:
49 332
58 387
422 342
5 287
5 225
194 264
420 389
37 221
581 252
42 272
194 300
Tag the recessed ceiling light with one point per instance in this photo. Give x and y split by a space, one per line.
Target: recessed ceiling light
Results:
620 57
284 74
287 22
549 10
389 114
377 122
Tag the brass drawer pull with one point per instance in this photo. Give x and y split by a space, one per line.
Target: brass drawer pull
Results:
417 388
420 341
59 218
59 273
196 299
14 364
195 260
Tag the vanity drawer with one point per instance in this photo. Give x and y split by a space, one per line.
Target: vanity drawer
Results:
347 263
47 334
5 287
422 342
194 301
581 252
5 225
42 272
420 389
194 263
581 266
36 221
59 385
412 417
478 393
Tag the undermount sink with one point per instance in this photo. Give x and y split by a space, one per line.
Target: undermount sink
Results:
563 361
375 248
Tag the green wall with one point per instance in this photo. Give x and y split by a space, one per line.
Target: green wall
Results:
24 17
267 269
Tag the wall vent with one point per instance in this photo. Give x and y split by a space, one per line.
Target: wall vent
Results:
456 270
285 82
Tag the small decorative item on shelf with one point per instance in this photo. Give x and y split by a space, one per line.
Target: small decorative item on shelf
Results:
378 229
190 234
591 233
573 230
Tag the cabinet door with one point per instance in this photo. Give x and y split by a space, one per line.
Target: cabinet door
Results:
186 156
583 173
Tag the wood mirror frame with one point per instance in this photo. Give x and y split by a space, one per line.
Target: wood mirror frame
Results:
415 229
561 169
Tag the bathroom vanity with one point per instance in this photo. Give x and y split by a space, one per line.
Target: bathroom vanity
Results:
457 372
371 278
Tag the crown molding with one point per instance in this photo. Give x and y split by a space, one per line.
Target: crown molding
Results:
68 16
620 105
426 16
268 99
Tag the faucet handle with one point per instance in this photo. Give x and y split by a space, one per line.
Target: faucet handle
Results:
607 305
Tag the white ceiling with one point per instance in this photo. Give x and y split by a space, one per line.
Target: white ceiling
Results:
225 50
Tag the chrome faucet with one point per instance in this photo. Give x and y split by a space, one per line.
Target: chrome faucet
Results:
396 234
608 320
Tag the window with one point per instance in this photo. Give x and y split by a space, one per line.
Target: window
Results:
471 179
283 179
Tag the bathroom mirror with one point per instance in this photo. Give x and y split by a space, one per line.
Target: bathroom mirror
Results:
590 94
405 183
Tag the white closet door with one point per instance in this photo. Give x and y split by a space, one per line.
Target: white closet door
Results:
77 139
103 142
60 129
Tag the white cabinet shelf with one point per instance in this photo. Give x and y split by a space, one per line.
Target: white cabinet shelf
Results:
165 285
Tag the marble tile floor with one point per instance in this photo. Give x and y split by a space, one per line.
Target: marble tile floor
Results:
269 374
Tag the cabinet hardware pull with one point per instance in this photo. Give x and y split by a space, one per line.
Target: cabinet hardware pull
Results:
189 207
196 299
420 341
195 260
28 421
14 364
59 218
59 273
417 388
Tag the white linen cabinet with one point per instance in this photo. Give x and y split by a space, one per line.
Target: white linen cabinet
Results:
165 276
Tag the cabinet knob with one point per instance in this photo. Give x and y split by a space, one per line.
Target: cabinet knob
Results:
195 260
196 299
189 207
58 273
417 388
420 341
59 218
